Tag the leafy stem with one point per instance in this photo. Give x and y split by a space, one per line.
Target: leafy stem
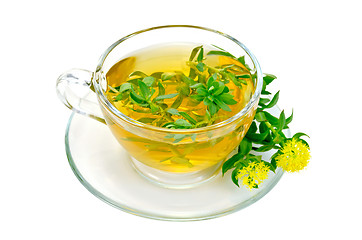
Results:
265 134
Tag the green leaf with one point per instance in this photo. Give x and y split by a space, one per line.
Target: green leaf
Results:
268 78
260 117
263 127
197 97
154 108
264 101
229 164
144 90
138 73
187 80
271 119
220 89
156 75
243 76
222 105
135 97
202 91
273 101
273 163
299 134
119 97
194 52
177 102
242 61
212 108
149 81
184 89
220 53
161 89
234 175
197 85
181 160
188 118
173 111
264 148
245 146
227 98
167 76
183 123
253 127
124 87
265 92
281 122
255 137
192 73
232 77
200 57
200 66
211 80
167 96
289 119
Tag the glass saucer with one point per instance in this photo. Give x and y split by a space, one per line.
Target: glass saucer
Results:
104 168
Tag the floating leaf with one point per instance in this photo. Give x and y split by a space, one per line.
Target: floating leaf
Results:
125 87
173 111
167 96
136 98
222 105
138 73
156 75
177 102
183 123
149 81
144 90
194 52
188 118
167 76
200 66
200 57
161 89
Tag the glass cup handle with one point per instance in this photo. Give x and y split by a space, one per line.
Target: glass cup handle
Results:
75 90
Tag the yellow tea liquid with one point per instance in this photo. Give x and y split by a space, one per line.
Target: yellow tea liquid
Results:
180 153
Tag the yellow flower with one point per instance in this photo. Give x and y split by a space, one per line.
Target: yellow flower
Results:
294 156
253 174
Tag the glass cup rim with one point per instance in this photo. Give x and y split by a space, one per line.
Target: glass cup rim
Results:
115 112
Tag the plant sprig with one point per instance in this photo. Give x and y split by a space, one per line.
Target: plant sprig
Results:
265 134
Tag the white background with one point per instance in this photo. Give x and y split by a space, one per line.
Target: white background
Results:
314 47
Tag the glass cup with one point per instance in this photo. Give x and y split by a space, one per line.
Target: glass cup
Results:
173 158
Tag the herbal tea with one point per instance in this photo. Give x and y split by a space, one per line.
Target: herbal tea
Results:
181 86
